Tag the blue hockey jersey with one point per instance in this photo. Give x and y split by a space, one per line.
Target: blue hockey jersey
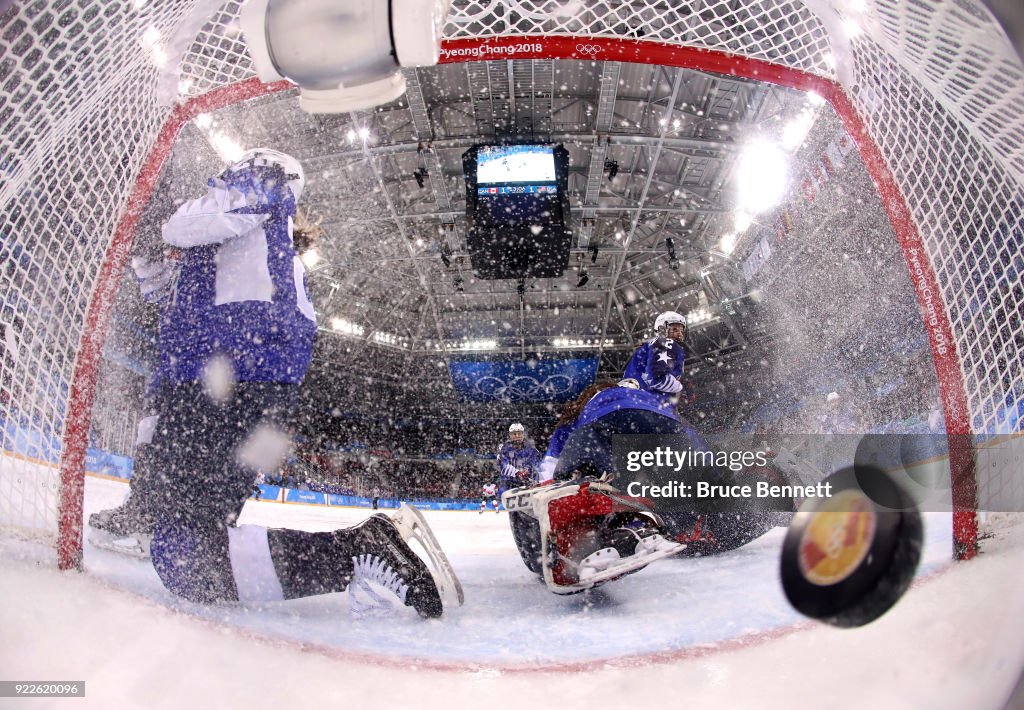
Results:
658 366
512 459
602 403
605 402
616 398
240 292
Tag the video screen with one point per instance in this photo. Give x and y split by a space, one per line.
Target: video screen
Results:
501 165
514 208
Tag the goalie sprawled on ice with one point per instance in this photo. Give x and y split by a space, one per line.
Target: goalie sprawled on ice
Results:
577 529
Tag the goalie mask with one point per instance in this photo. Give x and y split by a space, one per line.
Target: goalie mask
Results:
273 164
670 325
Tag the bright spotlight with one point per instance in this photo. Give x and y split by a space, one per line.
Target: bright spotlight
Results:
762 177
796 130
742 222
728 243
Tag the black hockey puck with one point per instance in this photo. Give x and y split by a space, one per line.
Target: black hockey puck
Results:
847 559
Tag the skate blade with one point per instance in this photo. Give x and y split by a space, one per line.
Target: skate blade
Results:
134 546
603 565
411 523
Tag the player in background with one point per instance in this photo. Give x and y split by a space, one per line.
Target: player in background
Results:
518 461
657 365
235 343
489 492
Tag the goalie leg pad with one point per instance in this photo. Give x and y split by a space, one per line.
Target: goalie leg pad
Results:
578 525
526 533
521 499
194 564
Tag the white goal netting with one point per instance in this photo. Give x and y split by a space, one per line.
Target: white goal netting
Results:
91 94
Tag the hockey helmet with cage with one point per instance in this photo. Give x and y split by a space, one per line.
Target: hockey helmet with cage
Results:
663 321
268 157
517 435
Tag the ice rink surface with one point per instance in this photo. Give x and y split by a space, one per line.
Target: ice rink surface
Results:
694 631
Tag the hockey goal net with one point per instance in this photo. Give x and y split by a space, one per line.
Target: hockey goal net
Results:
92 94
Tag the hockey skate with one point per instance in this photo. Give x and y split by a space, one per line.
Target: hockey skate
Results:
386 563
632 542
124 530
591 534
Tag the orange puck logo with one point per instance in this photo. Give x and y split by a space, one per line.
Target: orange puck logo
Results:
837 538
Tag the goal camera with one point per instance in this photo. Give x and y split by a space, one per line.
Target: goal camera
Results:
345 55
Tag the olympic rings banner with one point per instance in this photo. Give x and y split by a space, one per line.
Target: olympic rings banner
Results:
523 381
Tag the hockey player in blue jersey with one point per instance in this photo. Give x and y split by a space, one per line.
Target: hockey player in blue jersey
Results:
657 365
582 531
518 461
235 343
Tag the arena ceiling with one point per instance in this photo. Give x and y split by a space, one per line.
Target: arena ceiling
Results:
654 155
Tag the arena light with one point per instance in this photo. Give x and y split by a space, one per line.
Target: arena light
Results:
345 55
741 222
698 315
151 41
762 176
227 147
853 28
579 343
346 327
796 130
727 243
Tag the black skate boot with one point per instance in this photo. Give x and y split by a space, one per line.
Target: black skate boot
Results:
628 543
383 560
372 560
124 529
121 521
627 530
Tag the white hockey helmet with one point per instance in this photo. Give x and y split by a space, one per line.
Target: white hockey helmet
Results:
517 427
269 157
662 322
